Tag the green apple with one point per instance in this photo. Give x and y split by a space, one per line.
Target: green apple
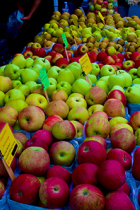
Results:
15 83
43 62
53 72
5 84
14 94
118 87
65 75
133 94
136 81
104 78
75 68
138 71
29 62
20 61
65 86
103 85
31 84
92 78
12 71
83 77
52 86
24 88
80 86
133 73
76 101
54 26
107 70
2 96
118 79
95 70
28 75
2 70
36 68
16 126
128 78
36 99
17 104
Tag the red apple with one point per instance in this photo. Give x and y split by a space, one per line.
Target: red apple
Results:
35 45
124 188
137 63
136 165
119 66
100 65
86 196
54 193
114 108
58 48
69 54
24 189
101 56
36 142
127 55
92 55
55 57
49 58
108 60
114 56
98 139
60 172
123 139
74 60
122 156
85 173
135 56
50 121
120 55
128 64
62 63
27 53
82 49
51 52
105 4
108 174
91 152
118 95
44 135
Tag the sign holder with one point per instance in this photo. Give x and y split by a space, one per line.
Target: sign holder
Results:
74 38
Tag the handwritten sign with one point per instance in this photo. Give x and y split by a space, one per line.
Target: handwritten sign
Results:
8 144
85 64
64 40
101 17
44 78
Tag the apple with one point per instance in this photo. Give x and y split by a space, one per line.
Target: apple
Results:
12 71
108 60
76 101
21 137
102 85
3 171
65 86
95 108
95 71
133 73
36 142
108 174
117 120
134 120
118 95
86 196
95 95
38 89
59 94
97 126
49 58
31 118
58 48
123 139
2 95
75 68
53 72
62 153
6 84
132 94
92 55
74 60
91 152
51 52
36 67
8 115
43 62
69 54
63 130
55 57
80 86
17 104
114 107
27 52
40 52
15 83
120 55
50 121
14 94
110 50
36 99
106 70
137 63
44 135
79 128
118 79
135 166
119 126
127 55
62 63
118 200
135 56
65 75
99 113
124 188
34 160
99 139
82 49
28 75
35 45
101 56
128 64
79 114
54 189
85 173
128 78
24 89
57 107
19 60
2 189
2 70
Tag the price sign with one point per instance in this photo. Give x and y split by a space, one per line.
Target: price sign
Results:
85 63
8 144
101 17
65 40
44 78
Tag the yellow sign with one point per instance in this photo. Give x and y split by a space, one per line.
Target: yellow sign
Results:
101 17
85 63
8 144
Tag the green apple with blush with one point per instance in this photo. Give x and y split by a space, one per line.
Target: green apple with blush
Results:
17 104
35 99
31 84
118 87
5 84
95 108
103 85
65 86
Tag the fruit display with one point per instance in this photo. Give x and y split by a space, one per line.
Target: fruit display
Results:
78 139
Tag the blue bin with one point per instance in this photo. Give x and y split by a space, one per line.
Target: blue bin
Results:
123 10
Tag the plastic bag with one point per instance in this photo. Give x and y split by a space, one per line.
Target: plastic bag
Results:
14 23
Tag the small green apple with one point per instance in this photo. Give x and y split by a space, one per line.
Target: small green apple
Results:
65 75
29 62
103 85
128 78
12 71
28 75
53 72
36 68
65 86
75 68
80 86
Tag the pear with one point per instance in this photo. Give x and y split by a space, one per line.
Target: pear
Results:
132 38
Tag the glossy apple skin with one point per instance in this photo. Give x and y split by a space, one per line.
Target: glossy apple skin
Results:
124 188
36 142
135 120
25 188
44 135
34 160
86 196
136 166
108 174
91 152
98 139
118 95
123 139
50 121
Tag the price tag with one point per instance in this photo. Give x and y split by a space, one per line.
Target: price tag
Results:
101 17
85 63
65 40
44 78
8 144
